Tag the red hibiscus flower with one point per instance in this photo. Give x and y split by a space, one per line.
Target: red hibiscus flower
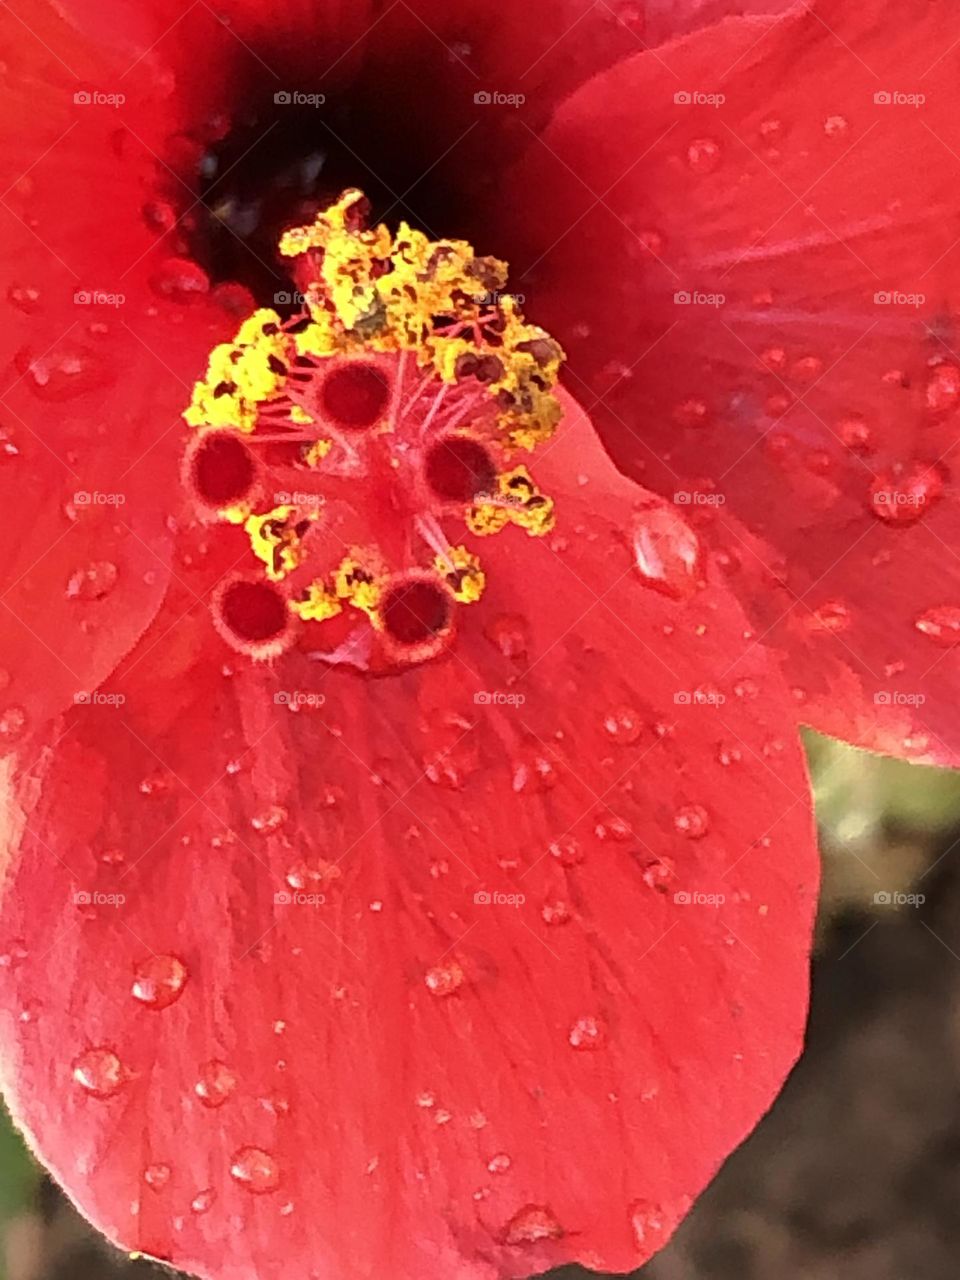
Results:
410 864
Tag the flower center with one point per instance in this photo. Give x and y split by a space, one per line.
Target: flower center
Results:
364 446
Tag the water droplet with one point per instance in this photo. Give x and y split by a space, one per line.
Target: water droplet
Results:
159 980
775 359
691 413
623 725
99 1071
556 912
180 280
510 633
532 772
444 978
160 216
568 851
657 873
667 552
499 1163
216 1083
902 494
832 616
270 820
855 433
92 582
648 1223
13 724
532 1223
835 126
23 298
692 821
941 624
157 1176
255 1169
588 1032
67 370
14 954
203 1201
943 389
704 155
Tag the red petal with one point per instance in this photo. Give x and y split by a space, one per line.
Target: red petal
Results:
97 355
269 1004
788 394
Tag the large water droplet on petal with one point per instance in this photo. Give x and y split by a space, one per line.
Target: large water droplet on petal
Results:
216 1083
588 1032
13 725
532 1223
667 552
93 581
692 821
99 1071
902 494
444 978
255 1169
159 980
941 624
